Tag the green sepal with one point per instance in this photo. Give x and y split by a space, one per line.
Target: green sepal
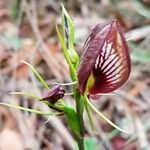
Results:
28 94
37 75
102 116
66 55
68 34
30 110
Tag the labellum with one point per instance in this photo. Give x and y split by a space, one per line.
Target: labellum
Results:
105 62
54 94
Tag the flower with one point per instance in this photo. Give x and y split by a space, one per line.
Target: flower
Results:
105 63
54 94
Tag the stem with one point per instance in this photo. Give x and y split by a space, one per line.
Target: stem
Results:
79 110
89 116
80 143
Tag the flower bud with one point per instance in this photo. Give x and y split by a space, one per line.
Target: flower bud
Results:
54 94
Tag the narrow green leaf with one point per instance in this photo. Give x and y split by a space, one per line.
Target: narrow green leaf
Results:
38 76
62 42
26 94
30 110
101 115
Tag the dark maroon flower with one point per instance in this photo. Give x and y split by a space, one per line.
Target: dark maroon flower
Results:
54 94
105 62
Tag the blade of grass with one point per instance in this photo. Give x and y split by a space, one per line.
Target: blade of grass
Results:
26 94
30 110
38 76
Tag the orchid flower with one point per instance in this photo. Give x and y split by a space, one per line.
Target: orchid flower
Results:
105 63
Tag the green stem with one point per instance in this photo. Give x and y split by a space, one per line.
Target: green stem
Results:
89 116
80 144
79 110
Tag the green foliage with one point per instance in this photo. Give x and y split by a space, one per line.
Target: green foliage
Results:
66 39
73 121
60 105
68 34
32 96
30 110
37 75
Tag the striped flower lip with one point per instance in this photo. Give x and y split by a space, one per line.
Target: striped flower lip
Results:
54 94
105 63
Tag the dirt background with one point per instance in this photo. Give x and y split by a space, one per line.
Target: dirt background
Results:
27 32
